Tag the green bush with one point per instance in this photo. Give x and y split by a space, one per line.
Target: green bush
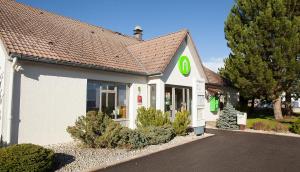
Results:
26 157
137 139
88 128
295 128
181 122
151 117
159 135
110 137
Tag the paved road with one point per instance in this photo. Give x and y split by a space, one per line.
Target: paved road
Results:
225 152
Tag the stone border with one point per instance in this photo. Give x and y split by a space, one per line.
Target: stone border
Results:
143 154
247 130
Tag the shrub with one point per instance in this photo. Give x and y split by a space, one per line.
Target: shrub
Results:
151 117
26 157
159 135
88 128
122 137
228 118
110 137
295 128
181 122
281 128
260 125
137 139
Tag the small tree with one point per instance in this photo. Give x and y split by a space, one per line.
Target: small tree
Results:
181 122
228 118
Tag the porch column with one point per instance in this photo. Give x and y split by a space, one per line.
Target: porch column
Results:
160 95
197 107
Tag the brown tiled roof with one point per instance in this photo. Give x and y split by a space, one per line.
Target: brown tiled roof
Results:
214 78
155 54
37 35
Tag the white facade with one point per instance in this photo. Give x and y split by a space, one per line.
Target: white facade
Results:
47 98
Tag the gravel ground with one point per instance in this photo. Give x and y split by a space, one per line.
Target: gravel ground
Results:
71 157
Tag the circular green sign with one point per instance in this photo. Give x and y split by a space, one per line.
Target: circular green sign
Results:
184 65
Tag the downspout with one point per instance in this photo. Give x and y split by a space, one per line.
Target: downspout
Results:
10 99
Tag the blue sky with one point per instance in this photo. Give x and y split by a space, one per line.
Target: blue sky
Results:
204 19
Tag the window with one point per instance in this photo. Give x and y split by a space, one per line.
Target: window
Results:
108 97
153 96
93 96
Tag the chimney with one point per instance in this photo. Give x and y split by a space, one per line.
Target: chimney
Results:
138 32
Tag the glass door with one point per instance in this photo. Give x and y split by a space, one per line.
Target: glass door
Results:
177 99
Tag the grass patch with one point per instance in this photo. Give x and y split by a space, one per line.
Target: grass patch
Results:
268 123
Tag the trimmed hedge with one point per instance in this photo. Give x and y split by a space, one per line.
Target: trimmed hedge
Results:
26 157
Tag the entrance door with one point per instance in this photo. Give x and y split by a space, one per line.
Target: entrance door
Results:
177 99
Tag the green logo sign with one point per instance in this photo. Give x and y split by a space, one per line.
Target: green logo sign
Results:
184 65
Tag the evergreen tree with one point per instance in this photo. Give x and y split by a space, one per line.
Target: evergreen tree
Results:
264 38
228 118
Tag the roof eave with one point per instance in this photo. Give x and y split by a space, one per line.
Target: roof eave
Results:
73 64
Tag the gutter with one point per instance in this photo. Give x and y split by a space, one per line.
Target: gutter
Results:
14 67
74 64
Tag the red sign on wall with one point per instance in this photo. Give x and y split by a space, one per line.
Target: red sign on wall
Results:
139 100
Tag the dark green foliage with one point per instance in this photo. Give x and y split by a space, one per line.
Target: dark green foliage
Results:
26 157
88 128
264 38
110 137
159 135
228 118
151 117
137 139
295 128
98 130
181 122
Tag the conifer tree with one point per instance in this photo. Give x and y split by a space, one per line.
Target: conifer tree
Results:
228 118
264 38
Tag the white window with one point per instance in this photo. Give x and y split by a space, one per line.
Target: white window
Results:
108 97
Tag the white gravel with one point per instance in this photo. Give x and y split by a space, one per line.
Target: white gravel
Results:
72 157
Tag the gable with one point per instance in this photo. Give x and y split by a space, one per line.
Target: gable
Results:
155 54
172 74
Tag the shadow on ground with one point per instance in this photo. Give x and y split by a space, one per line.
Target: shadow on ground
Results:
61 160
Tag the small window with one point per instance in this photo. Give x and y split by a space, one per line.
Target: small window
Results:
153 96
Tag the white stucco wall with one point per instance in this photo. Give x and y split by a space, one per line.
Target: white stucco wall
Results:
133 101
48 98
196 77
160 92
3 59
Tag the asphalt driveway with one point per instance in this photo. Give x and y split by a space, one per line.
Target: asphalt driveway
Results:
225 152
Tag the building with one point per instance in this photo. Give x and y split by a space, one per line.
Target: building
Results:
54 69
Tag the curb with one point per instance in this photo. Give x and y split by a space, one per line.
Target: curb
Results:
211 130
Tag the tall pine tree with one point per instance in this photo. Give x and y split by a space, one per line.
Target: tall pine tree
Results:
264 38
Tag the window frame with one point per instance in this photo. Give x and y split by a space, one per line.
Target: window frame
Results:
107 91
